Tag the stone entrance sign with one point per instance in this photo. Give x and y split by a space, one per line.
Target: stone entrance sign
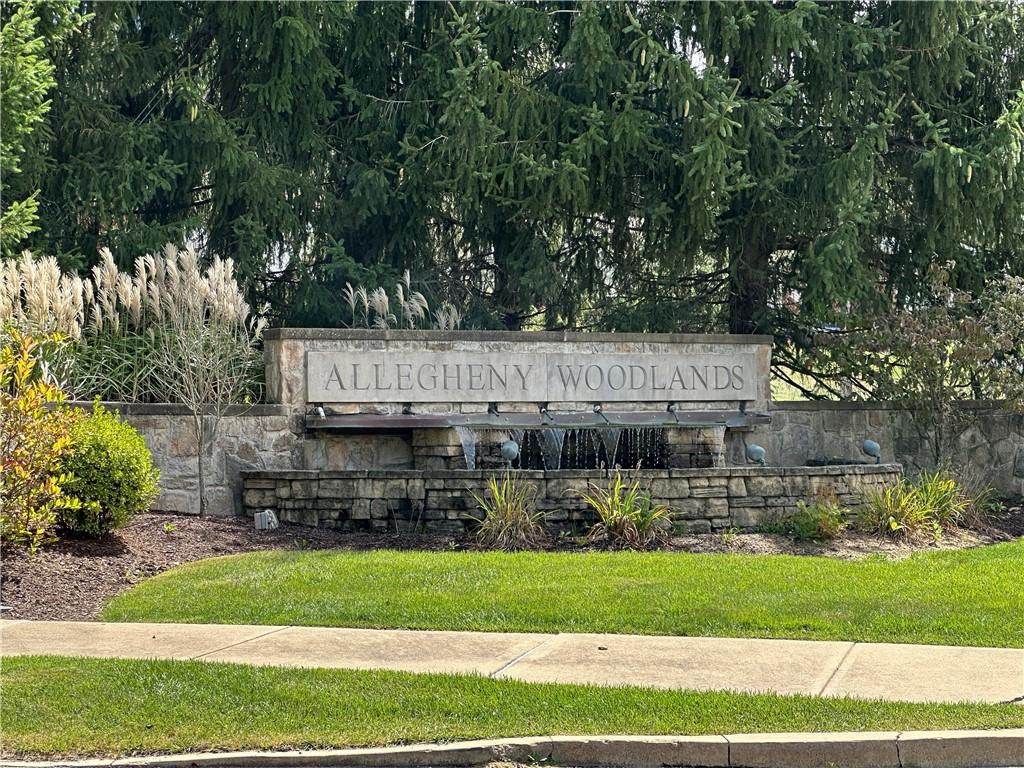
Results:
480 376
379 372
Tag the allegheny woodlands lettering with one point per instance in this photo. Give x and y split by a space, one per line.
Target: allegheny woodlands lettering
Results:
484 376
569 379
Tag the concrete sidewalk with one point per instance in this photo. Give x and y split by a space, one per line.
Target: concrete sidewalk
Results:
922 673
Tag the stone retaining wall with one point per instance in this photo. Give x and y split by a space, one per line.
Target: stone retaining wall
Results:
253 437
441 501
273 437
990 447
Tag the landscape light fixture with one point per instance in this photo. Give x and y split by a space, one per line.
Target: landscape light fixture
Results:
873 449
510 451
756 454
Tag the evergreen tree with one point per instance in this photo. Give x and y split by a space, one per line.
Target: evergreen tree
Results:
28 29
747 166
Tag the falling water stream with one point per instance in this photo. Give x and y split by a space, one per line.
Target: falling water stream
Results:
610 440
551 445
468 439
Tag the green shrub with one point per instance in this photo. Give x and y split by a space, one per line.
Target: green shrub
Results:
509 522
823 519
933 503
626 517
113 474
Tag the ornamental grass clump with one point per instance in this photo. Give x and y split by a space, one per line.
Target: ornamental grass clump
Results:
113 324
509 521
374 308
933 503
627 517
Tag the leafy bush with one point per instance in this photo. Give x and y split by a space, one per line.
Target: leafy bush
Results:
823 519
626 517
509 522
112 474
935 502
34 436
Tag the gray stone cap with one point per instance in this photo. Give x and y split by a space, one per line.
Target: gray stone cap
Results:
177 409
373 334
877 405
557 474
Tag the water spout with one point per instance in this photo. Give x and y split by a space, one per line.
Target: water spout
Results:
673 408
610 440
468 439
551 446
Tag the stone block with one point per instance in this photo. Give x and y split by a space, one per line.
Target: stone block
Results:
303 489
180 501
360 509
737 486
323 504
749 517
395 489
258 497
709 493
760 485
378 509
416 489
747 502
338 489
672 488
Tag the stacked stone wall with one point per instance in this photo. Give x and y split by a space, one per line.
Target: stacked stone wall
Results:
274 437
990 447
442 501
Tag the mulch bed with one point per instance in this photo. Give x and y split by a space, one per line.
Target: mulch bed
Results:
72 580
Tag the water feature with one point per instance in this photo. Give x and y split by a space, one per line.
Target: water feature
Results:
468 439
609 439
552 440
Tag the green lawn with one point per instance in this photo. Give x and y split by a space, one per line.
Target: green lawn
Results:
60 706
967 597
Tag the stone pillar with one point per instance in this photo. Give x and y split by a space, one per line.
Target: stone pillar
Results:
437 449
694 447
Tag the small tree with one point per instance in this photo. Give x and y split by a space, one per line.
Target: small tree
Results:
938 360
207 352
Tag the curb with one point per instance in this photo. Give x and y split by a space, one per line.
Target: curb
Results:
887 749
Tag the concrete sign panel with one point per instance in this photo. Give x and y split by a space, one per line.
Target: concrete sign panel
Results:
483 377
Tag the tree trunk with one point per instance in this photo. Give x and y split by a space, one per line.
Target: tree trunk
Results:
201 446
507 288
748 284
